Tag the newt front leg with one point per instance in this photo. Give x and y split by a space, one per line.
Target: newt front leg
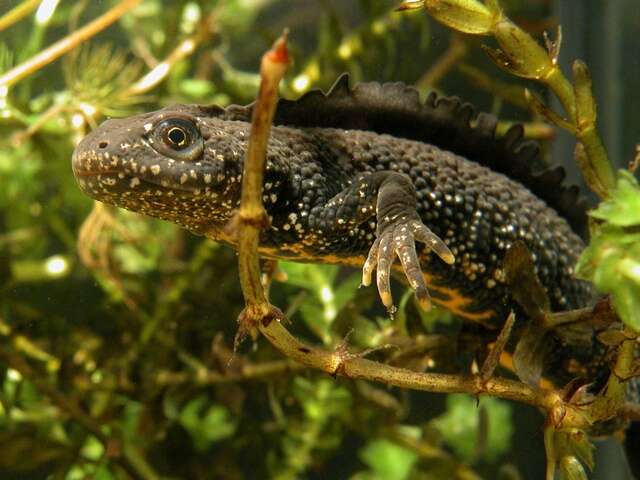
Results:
390 197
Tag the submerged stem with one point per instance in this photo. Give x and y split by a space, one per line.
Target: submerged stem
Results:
68 43
17 13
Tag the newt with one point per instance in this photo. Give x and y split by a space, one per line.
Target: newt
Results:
364 176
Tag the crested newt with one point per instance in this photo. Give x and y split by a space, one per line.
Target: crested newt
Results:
362 176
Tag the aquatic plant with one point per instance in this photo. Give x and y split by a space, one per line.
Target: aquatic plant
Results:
117 348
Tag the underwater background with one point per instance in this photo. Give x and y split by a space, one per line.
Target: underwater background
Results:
116 330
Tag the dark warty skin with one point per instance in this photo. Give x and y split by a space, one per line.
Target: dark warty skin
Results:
330 193
350 197
354 177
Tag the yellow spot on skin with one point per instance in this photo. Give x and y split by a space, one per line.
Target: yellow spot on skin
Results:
155 169
454 301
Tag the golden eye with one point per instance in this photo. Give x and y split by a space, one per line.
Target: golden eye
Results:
176 137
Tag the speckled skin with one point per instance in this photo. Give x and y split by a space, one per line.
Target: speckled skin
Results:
320 193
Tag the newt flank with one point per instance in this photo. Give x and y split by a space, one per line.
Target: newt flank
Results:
361 177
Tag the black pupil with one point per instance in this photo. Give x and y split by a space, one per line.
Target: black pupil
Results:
177 136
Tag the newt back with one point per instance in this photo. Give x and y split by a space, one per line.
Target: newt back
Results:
361 176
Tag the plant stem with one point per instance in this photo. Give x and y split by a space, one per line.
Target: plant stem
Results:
68 43
252 216
249 371
457 51
353 366
563 89
17 13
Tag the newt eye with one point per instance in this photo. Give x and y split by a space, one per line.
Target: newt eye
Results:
178 138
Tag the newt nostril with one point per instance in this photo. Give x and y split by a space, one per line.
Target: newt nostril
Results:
103 144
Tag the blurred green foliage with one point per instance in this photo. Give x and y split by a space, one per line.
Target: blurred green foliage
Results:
612 260
386 459
471 429
115 349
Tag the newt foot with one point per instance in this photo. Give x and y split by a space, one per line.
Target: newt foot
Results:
400 239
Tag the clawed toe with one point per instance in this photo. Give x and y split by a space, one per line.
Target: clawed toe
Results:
399 240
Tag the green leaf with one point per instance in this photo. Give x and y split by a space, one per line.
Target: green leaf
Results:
206 423
388 460
321 399
92 448
320 311
574 451
623 207
103 473
196 89
461 427
612 263
572 469
612 259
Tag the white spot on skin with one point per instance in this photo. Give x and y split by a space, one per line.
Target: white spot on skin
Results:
207 178
135 181
155 169
183 178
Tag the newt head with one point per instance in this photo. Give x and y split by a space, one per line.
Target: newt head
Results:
179 164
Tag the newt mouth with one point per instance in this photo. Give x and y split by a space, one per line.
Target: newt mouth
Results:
104 174
95 173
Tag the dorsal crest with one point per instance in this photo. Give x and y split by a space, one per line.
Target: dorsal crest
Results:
446 122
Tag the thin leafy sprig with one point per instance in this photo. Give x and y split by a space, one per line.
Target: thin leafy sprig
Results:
521 55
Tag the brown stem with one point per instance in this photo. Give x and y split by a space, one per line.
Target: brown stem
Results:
160 71
353 366
246 372
252 216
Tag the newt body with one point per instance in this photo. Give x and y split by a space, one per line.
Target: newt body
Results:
359 177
